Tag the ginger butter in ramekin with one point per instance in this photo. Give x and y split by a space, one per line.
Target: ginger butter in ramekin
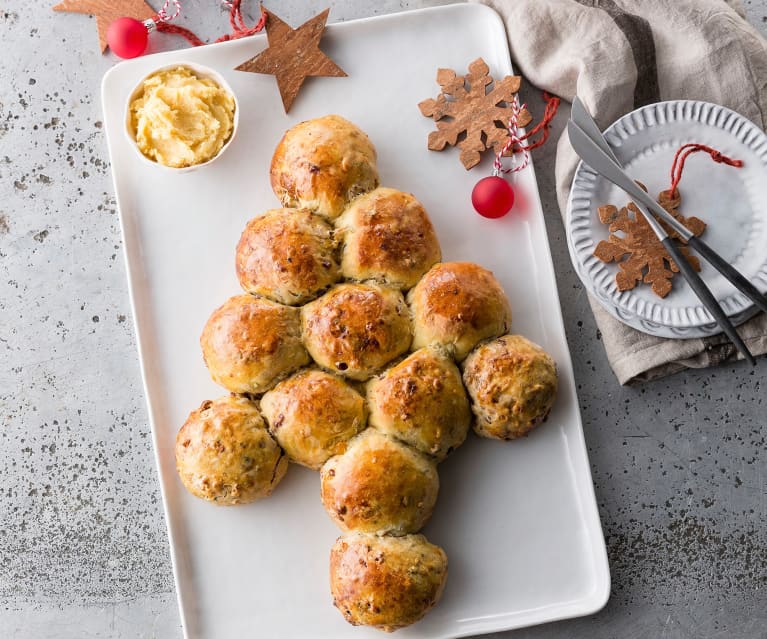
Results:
182 116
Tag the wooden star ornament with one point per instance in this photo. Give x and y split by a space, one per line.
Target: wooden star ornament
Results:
107 12
293 55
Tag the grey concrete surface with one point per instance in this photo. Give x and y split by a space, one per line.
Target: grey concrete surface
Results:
678 465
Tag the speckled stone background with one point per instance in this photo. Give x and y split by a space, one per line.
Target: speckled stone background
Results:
679 465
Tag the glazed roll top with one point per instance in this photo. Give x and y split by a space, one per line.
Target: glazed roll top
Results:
356 329
457 305
224 453
386 582
379 485
312 415
387 237
287 255
422 402
512 383
249 343
322 165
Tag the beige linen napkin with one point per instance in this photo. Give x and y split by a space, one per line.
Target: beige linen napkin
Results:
618 55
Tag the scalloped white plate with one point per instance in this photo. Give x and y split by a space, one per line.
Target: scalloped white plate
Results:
733 203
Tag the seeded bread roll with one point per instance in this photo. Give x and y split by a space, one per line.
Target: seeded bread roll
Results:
387 237
457 305
512 383
386 582
322 165
249 343
356 329
312 415
224 453
422 402
287 255
379 485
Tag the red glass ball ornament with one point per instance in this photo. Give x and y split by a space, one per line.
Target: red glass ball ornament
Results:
127 37
492 197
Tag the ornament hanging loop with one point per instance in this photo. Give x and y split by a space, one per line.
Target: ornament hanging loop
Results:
162 14
513 144
685 151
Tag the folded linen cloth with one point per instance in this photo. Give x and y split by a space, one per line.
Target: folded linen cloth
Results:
618 55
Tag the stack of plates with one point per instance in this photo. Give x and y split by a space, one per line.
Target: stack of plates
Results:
732 201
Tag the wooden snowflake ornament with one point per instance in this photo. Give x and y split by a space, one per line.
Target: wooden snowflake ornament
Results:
640 255
472 112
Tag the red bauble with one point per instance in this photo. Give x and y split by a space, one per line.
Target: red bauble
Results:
127 37
492 197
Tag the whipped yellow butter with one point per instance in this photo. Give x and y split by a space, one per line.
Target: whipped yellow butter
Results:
180 119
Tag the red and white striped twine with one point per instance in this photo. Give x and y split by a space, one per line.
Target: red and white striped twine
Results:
514 139
162 14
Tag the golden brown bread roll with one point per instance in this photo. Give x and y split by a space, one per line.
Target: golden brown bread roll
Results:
287 255
224 453
386 582
312 415
249 343
356 329
322 165
387 237
422 402
379 485
458 304
512 383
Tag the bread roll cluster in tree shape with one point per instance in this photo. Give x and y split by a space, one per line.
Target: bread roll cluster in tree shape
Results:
343 355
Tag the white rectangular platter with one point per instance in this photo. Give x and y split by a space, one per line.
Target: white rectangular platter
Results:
518 520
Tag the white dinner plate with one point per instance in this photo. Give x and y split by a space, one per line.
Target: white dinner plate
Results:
518 520
732 202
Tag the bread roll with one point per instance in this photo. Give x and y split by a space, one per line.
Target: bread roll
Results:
379 485
422 402
224 453
249 343
387 237
512 383
287 255
322 165
356 329
458 304
312 415
386 582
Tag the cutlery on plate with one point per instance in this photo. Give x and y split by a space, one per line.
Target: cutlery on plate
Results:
594 150
585 122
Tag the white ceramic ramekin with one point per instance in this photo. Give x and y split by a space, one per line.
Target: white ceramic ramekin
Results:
200 71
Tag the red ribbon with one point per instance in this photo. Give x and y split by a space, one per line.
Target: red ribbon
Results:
552 104
685 151
239 29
